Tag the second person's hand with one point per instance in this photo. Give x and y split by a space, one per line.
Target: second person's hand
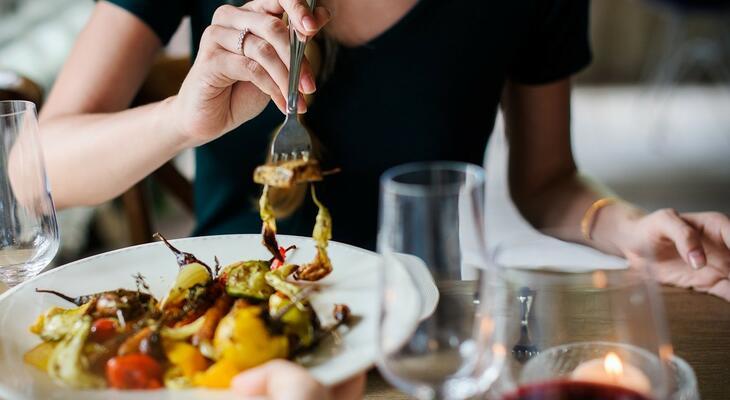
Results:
228 86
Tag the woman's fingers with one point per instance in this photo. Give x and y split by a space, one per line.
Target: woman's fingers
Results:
714 225
255 48
279 380
301 16
686 238
304 20
270 29
257 62
241 68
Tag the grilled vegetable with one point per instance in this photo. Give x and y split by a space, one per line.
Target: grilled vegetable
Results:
38 356
182 257
288 173
211 319
182 332
190 275
186 357
242 337
57 322
131 303
131 345
248 279
277 280
269 225
321 266
67 364
218 376
276 263
296 323
107 304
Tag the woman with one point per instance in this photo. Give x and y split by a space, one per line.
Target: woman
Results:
410 80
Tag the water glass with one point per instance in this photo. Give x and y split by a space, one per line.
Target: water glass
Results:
433 344
28 229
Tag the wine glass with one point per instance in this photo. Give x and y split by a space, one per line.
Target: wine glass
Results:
433 342
28 229
598 334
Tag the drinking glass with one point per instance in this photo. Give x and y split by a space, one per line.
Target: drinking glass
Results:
28 228
433 342
584 334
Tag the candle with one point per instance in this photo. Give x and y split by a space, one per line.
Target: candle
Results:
612 371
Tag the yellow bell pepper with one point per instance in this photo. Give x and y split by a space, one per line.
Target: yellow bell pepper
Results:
242 337
219 375
243 342
187 357
38 356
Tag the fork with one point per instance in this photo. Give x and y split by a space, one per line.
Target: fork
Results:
524 349
292 141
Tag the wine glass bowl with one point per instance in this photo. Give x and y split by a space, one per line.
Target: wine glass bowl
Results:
29 236
431 339
599 334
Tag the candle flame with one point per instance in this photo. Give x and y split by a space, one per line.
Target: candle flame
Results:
613 365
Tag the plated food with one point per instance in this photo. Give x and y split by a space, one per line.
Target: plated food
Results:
213 322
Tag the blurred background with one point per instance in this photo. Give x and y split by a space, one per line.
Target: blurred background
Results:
651 115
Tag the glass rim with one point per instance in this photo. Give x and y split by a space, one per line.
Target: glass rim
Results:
29 106
390 185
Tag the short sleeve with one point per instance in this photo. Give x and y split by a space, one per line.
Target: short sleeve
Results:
162 16
557 45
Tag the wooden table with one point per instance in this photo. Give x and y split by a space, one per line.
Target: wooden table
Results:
700 332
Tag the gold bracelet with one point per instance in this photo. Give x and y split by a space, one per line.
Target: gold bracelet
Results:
586 224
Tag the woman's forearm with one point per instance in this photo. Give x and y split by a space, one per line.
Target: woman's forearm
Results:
92 158
559 209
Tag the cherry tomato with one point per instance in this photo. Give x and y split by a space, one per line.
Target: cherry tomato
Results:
134 371
103 329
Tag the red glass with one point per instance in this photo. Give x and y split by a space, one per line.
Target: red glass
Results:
572 390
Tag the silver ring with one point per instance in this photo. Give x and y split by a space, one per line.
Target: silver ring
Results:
241 37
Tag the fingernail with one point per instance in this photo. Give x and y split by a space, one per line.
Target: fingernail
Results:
309 23
696 259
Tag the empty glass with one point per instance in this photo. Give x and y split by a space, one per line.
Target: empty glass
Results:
432 344
28 229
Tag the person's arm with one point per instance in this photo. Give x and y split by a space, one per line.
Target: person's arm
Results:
94 150
544 181
549 192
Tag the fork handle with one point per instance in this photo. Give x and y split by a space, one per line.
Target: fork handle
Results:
296 49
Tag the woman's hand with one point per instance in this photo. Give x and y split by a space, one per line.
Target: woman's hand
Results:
284 380
689 250
227 86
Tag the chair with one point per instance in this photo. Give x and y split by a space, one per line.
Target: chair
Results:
14 86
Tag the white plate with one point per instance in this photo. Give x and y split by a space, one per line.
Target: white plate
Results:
353 282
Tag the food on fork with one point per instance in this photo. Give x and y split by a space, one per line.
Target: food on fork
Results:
286 174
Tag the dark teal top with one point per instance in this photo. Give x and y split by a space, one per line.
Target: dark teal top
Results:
426 89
